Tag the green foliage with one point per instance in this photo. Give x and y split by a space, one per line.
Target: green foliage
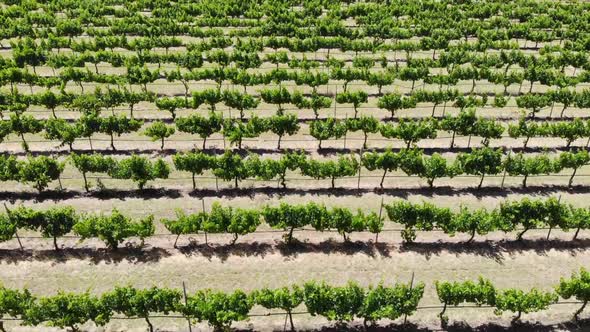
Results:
7 228
312 79
61 130
52 223
387 161
500 101
115 228
89 124
578 219
202 126
341 304
67 310
266 169
229 220
159 131
424 217
240 101
366 124
343 166
382 302
526 129
142 303
569 130
526 166
25 124
289 217
470 101
411 161
345 222
573 160
329 128
91 163
527 213
210 97
14 303
40 171
219 309
284 298
379 79
140 170
236 130
462 124
481 162
141 75
170 105
355 98
533 101
478 221
454 293
488 129
230 166
193 162
118 125
9 168
184 224
436 167
279 96
410 131
577 286
282 125
519 301
316 102
5 129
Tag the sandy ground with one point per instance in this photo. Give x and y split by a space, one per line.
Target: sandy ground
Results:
261 259
265 262
267 142
397 183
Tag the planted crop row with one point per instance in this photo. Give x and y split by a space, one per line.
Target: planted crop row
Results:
410 131
341 304
283 97
231 166
252 55
256 54
537 22
114 229
483 293
389 77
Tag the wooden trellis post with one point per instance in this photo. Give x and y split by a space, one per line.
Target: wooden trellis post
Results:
504 176
190 328
15 232
203 209
411 286
358 184
380 214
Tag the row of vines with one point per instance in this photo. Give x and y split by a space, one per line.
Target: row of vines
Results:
115 228
341 304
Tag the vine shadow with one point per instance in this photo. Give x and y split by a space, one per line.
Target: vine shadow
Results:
524 326
129 253
496 250
296 247
134 253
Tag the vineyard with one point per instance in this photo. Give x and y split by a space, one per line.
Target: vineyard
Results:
269 165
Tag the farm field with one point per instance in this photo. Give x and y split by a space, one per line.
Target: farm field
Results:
317 165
